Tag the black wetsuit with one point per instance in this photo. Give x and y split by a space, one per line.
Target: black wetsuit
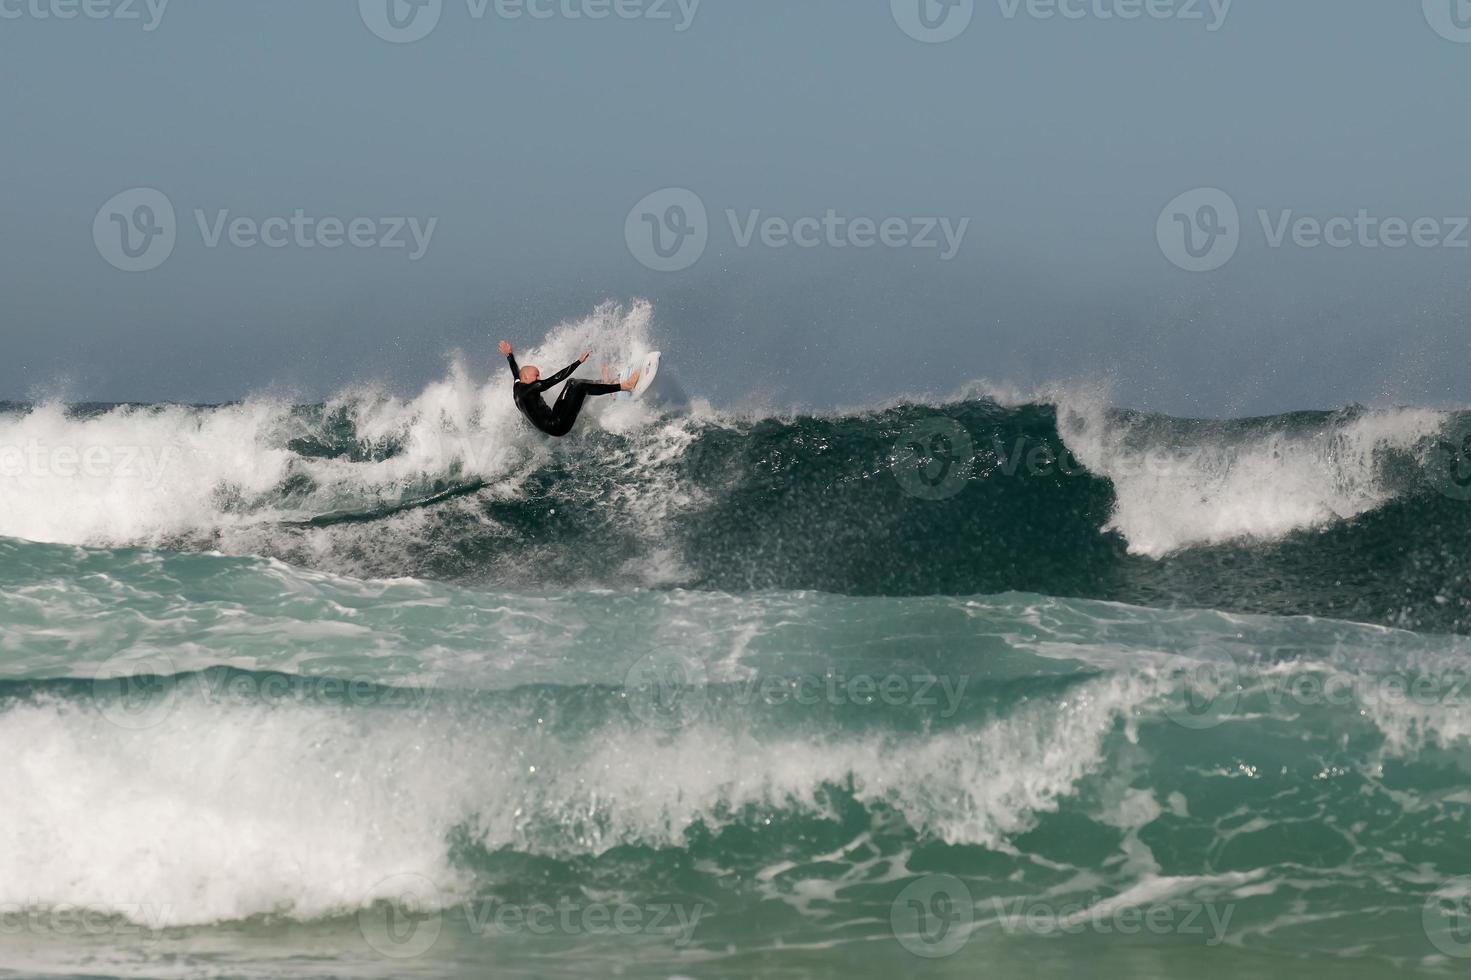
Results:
558 419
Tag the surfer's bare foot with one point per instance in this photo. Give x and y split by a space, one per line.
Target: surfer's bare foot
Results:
632 381
606 379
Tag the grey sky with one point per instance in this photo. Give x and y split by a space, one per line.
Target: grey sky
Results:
530 139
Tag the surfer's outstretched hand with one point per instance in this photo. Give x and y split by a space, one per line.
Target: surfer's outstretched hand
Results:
505 348
585 355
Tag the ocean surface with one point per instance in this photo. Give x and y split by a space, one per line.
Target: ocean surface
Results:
967 687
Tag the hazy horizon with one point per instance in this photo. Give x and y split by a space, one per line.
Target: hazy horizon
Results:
511 152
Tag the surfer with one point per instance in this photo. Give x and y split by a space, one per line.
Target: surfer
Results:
558 419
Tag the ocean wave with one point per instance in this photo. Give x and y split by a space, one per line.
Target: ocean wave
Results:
1355 514
1089 731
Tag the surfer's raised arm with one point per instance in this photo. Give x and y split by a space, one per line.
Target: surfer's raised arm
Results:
565 373
511 357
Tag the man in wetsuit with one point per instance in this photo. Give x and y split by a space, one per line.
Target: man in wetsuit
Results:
558 419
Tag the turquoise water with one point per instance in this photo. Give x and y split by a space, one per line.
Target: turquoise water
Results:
387 688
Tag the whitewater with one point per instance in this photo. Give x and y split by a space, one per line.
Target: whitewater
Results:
394 686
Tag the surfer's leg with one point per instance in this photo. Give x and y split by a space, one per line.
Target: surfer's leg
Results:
569 403
578 391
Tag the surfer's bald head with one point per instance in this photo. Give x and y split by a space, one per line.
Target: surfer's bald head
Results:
529 374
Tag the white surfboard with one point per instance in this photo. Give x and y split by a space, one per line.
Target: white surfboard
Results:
649 367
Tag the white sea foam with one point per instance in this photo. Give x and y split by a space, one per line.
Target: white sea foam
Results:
1213 486
221 813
